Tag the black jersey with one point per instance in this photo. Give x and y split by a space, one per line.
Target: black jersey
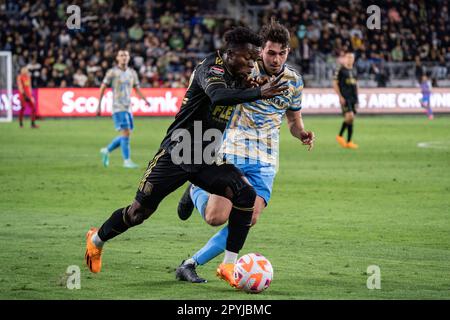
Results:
212 94
347 83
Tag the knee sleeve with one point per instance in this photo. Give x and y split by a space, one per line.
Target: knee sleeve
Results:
232 185
136 214
245 197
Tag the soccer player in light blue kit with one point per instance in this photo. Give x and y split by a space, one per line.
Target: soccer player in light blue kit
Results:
122 80
425 86
251 143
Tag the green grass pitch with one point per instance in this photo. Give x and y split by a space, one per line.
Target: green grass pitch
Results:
333 213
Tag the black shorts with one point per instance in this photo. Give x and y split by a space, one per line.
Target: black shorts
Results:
162 177
349 106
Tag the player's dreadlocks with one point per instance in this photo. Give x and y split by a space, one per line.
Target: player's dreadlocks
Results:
240 36
275 32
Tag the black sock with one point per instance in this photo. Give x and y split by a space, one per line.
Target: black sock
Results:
114 226
350 132
344 126
239 223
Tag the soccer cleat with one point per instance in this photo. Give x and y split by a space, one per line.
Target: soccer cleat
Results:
129 164
186 272
351 145
93 255
34 126
225 271
341 141
185 205
105 156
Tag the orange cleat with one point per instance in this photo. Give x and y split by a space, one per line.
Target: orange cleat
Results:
225 271
93 256
351 145
341 141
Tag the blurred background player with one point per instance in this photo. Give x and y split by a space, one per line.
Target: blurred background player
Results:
251 143
26 96
425 86
345 85
122 79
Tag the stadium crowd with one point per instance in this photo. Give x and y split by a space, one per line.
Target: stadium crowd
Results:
167 38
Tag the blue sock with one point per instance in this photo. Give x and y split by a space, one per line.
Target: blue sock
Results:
125 144
215 246
115 143
200 199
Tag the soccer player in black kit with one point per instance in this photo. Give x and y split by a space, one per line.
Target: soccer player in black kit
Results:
217 82
345 85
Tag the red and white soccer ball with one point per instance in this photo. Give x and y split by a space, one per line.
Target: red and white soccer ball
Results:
253 273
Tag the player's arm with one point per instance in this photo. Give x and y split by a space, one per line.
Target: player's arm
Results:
20 85
336 86
357 91
102 91
213 82
221 95
141 95
297 128
22 91
106 82
137 88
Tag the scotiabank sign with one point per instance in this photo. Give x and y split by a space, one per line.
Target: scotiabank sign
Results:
74 102
78 102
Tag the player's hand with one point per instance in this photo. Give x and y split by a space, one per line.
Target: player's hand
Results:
307 138
262 80
273 88
252 82
342 100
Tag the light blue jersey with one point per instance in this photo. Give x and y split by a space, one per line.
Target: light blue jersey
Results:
251 140
121 82
251 143
253 131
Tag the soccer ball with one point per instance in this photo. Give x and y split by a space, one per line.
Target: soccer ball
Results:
253 273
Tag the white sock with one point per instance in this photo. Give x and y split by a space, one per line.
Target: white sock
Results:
190 261
97 241
230 257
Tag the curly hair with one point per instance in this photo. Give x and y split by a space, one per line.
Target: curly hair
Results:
275 32
240 36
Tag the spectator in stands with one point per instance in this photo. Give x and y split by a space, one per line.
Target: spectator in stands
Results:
79 79
135 33
397 53
381 74
420 71
37 35
363 66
